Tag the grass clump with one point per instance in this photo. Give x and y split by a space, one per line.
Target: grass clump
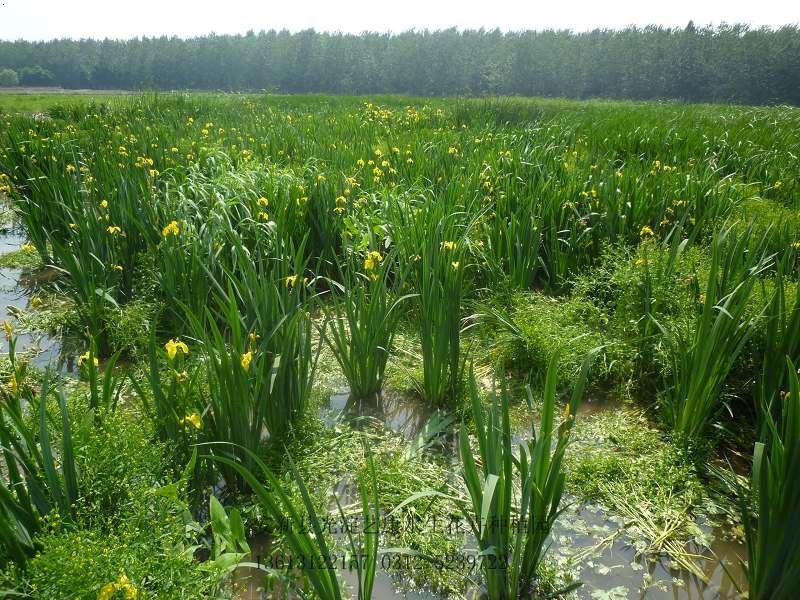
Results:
26 257
655 282
362 319
617 454
537 326
702 358
149 547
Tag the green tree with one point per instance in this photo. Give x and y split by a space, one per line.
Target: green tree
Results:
8 78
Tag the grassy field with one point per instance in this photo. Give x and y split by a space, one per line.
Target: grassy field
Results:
528 303
36 100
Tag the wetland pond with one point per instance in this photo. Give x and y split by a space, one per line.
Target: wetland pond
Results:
586 538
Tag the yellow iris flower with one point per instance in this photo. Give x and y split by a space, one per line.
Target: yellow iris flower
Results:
174 346
171 229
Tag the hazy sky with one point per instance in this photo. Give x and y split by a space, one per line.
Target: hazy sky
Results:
46 19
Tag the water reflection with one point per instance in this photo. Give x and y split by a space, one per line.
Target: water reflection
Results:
17 287
402 413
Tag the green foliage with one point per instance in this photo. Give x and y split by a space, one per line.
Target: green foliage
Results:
36 484
103 391
772 219
229 544
773 547
8 78
656 283
25 258
128 328
309 545
115 460
511 554
433 236
616 454
781 335
362 314
124 529
703 358
537 327
31 103
203 233
621 461
514 233
88 288
149 547
55 314
169 394
35 75
256 381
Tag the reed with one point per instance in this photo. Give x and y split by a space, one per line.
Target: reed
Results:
702 361
773 566
361 317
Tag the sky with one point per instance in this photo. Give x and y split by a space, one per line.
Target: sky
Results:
48 19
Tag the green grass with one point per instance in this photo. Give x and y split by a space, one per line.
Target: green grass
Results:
535 327
28 103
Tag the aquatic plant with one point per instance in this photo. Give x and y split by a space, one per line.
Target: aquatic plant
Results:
303 529
773 547
39 479
361 319
701 363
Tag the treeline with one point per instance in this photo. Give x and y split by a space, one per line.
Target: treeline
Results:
728 63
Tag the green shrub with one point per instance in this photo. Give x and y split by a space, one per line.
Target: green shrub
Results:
128 328
538 325
150 547
116 459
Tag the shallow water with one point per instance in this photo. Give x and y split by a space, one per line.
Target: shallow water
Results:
401 413
17 287
11 240
610 563
609 566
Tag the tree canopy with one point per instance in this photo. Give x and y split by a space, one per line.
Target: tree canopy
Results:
731 63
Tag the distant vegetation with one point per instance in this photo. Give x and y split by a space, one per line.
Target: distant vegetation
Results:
729 63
